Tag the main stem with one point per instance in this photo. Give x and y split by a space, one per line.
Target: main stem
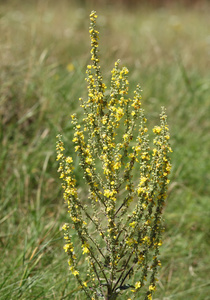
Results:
111 296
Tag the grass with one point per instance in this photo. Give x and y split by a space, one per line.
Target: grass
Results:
166 50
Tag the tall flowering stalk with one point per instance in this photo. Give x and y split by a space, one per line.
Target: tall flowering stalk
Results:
117 228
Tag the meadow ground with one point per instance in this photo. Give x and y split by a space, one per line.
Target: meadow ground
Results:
44 50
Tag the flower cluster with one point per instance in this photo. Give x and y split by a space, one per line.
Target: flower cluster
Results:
118 226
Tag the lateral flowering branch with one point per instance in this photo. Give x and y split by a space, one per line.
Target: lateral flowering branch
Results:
118 228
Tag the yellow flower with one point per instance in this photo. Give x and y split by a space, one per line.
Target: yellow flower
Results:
65 226
143 180
152 288
69 159
74 272
68 247
117 165
137 285
133 224
157 129
125 136
59 156
119 113
146 239
85 248
149 297
88 160
131 241
75 140
109 193
144 206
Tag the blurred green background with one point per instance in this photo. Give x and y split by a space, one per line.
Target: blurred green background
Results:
44 50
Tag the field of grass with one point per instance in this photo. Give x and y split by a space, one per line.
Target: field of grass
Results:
44 50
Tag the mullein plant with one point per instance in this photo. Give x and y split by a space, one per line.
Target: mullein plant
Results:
114 234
